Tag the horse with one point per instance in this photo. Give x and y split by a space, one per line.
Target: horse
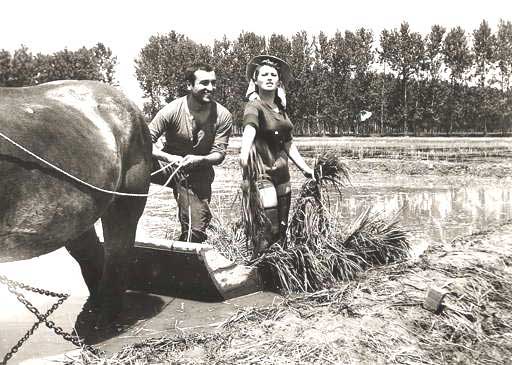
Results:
65 146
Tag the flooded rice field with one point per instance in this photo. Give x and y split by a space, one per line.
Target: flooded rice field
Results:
437 208
432 207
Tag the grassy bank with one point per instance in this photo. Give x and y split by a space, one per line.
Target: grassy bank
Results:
438 148
484 157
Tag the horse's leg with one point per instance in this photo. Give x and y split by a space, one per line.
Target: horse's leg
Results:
121 218
88 252
119 227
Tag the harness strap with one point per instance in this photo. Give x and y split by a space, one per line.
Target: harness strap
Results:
90 185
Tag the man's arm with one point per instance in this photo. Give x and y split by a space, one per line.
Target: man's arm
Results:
164 156
157 128
213 158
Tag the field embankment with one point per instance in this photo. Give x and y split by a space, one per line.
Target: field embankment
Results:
483 157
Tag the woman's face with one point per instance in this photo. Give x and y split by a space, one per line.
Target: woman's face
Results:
268 78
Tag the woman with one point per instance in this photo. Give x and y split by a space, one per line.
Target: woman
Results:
267 144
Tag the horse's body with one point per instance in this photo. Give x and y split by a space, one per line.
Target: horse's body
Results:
93 132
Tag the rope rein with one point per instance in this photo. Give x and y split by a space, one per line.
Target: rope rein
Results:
90 185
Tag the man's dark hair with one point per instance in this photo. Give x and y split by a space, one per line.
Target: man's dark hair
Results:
189 72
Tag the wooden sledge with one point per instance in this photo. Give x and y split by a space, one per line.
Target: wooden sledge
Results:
191 270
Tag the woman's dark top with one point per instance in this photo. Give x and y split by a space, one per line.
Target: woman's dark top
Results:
273 130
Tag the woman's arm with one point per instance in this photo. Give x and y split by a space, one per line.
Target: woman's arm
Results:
296 157
247 139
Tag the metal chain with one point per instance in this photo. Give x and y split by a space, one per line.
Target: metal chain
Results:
14 284
11 286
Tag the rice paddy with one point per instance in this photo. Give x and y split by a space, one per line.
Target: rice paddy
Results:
346 302
433 149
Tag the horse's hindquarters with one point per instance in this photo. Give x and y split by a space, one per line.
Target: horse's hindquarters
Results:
41 212
88 130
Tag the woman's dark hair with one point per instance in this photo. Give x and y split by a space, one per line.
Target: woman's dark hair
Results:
189 71
267 62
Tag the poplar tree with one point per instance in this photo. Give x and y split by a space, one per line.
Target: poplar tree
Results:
458 60
403 51
160 68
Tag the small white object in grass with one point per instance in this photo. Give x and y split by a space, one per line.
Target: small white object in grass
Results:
434 299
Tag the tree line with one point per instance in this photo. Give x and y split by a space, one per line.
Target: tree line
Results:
443 83
22 68
400 82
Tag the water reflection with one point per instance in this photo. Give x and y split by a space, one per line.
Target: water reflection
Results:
435 209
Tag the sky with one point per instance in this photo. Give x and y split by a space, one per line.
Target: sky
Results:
48 26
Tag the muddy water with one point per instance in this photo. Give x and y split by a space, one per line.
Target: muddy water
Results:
432 208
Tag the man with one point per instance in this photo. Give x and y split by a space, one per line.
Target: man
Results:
196 130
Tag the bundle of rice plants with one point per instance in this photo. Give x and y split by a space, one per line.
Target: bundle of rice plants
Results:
330 169
229 238
309 220
293 269
255 222
320 249
374 240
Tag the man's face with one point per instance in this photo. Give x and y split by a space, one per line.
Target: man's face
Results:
204 86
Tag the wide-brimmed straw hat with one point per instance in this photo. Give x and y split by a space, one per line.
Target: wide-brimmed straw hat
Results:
283 67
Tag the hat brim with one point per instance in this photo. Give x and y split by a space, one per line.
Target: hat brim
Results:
284 67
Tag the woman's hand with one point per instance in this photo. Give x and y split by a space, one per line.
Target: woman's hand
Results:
309 173
244 160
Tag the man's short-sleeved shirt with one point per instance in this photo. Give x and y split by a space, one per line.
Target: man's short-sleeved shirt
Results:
183 136
273 129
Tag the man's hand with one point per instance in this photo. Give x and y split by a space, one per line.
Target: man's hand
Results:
165 157
191 161
170 161
174 159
